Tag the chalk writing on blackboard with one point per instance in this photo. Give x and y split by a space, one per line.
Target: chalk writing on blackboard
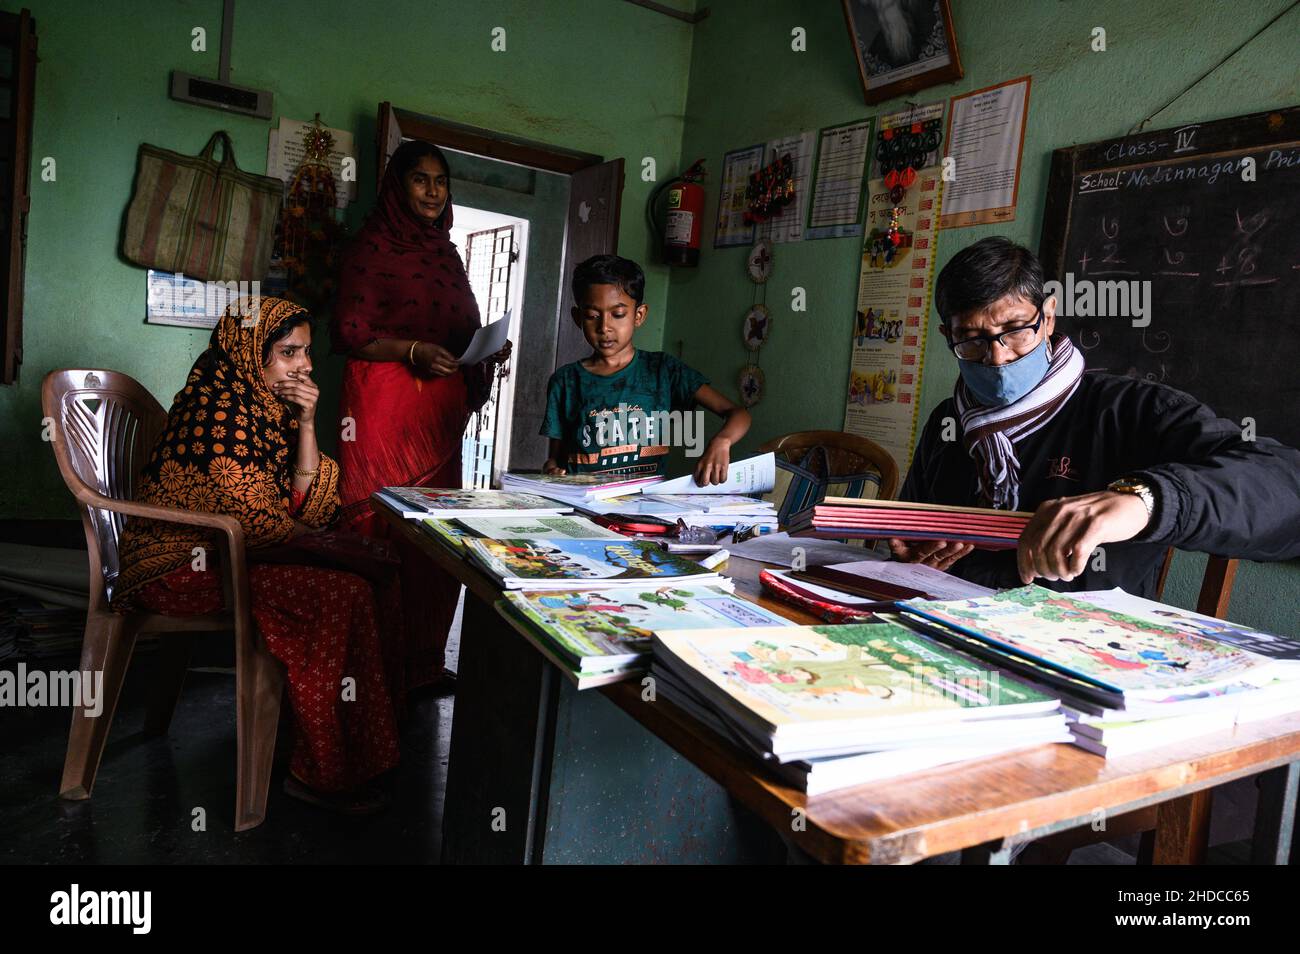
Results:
1189 234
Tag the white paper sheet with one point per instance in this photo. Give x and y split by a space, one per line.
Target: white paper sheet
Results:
754 475
779 548
488 340
938 584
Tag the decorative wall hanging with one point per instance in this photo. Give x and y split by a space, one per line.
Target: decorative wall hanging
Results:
752 384
310 232
759 263
756 327
770 190
916 47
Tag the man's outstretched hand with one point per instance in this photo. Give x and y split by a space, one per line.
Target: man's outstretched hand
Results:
1060 538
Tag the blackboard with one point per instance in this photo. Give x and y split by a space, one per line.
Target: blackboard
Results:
1177 208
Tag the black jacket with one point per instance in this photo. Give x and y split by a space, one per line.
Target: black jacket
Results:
1215 492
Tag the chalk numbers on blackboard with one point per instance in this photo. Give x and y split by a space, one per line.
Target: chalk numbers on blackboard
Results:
1237 267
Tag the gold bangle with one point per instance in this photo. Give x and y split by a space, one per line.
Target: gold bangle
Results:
306 473
410 355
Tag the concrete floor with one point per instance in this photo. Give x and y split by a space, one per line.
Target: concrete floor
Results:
147 789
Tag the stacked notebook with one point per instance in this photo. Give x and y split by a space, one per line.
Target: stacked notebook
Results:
833 706
453 532
446 504
1131 673
576 489
598 636
853 518
558 564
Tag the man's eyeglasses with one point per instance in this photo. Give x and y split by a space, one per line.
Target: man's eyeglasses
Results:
1018 340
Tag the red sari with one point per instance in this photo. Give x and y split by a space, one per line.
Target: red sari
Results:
402 278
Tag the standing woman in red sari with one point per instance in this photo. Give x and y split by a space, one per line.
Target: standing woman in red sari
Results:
404 312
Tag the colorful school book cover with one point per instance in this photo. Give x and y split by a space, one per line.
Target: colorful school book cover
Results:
447 531
1126 653
435 500
618 622
1196 624
819 674
582 560
569 528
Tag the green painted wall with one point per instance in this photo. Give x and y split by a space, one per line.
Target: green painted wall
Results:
599 76
747 86
604 77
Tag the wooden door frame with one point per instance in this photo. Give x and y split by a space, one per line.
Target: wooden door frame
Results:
475 140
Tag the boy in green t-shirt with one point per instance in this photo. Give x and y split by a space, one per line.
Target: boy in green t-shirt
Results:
618 411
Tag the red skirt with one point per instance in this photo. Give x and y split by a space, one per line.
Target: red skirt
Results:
322 624
405 431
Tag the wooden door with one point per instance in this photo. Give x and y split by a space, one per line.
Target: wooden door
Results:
595 196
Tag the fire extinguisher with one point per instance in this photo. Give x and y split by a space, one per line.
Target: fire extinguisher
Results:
679 238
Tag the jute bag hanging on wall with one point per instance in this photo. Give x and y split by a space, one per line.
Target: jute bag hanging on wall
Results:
205 218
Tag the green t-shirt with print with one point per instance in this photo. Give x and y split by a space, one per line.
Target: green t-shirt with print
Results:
621 424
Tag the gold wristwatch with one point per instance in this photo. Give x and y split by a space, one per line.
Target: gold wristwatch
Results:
1139 488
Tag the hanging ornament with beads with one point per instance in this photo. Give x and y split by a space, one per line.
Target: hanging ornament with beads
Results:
311 233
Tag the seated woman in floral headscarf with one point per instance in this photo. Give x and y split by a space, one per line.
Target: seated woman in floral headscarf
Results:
240 440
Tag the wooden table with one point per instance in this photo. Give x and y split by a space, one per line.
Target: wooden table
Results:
542 773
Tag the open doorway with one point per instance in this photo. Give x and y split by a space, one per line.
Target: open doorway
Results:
560 207
494 250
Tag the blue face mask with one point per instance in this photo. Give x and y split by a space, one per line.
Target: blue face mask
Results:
999 385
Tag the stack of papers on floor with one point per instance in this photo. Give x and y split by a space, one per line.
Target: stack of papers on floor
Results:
853 518
555 564
32 630
833 706
1132 674
600 636
576 489
447 504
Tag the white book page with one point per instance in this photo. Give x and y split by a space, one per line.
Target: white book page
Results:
754 475
936 583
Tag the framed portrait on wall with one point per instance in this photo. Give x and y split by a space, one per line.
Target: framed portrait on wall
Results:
902 45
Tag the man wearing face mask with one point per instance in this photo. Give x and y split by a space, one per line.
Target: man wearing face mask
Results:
1101 459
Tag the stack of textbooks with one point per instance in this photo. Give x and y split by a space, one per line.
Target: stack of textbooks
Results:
850 518
1132 674
559 564
718 511
436 503
577 489
843 591
833 706
453 533
599 636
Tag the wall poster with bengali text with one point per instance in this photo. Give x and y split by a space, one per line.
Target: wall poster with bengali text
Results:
893 303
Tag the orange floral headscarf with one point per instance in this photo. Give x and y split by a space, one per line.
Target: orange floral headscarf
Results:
226 448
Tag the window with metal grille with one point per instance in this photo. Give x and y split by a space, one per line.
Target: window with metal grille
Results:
489 257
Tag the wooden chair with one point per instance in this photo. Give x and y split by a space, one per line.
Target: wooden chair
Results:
103 425
846 453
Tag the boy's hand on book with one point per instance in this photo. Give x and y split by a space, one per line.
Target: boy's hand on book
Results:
551 467
1060 538
713 465
939 554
